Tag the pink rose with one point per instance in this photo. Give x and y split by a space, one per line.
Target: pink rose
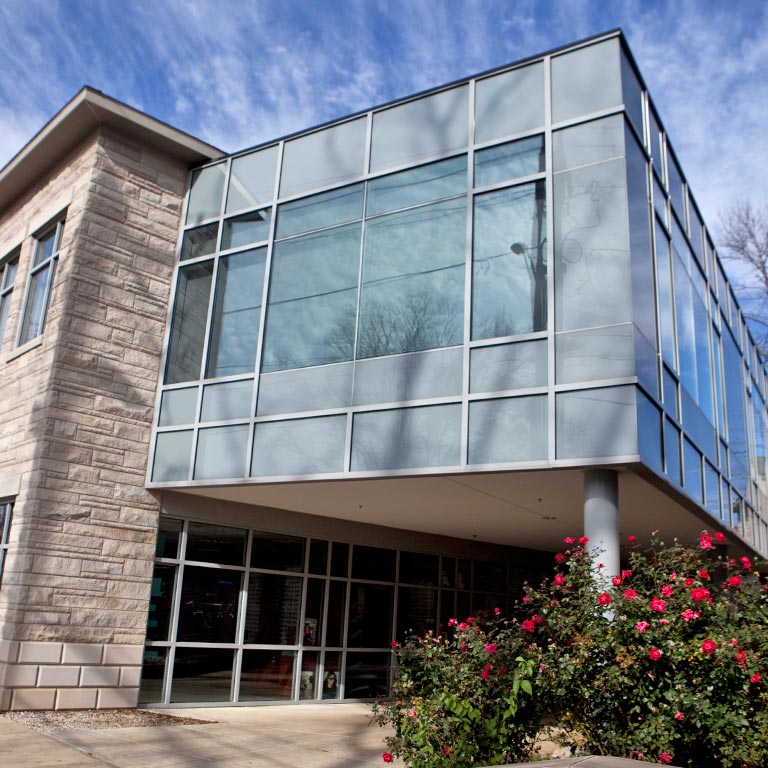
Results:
630 594
569 540
689 615
491 648
641 626
658 605
667 590
679 716
665 758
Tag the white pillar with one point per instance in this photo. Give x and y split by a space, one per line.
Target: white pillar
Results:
601 520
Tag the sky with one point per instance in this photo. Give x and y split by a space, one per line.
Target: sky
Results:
239 73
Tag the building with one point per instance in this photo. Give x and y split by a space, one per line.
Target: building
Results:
353 381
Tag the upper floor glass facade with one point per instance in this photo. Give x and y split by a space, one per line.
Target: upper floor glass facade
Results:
509 272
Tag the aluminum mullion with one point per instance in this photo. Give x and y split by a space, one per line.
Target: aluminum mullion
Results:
468 279
549 198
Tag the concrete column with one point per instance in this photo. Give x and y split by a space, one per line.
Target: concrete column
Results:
601 520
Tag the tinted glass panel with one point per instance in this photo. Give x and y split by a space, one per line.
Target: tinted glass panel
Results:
586 80
312 300
672 452
413 280
236 314
200 241
335 207
588 143
512 102
160 602
370 616
692 464
312 633
331 676
152 674
367 675
632 93
208 610
231 400
205 193
274 606
221 452
318 557
190 311
418 185
305 389
337 602
509 161
246 229
202 674
602 353
266 675
509 287
675 186
252 180
417 568
508 366
415 437
167 544
513 429
325 157
416 611
339 559
34 309
215 544
373 563
421 128
310 683
666 306
596 423
277 552
299 447
177 406
649 438
172 456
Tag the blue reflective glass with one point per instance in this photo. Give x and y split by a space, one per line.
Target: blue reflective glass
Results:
338 206
509 161
508 430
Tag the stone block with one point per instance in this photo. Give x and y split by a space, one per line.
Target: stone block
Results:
40 653
82 653
59 677
100 677
126 655
33 698
76 698
130 677
117 698
9 650
21 676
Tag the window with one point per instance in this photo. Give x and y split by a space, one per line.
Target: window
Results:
6 512
7 277
46 253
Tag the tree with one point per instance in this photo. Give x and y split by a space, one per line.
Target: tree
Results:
743 240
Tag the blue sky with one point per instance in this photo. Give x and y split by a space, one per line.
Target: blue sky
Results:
237 73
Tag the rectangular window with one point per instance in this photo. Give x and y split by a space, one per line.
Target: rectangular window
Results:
7 278
6 513
46 253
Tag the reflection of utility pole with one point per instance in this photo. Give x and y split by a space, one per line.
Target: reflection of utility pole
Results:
536 263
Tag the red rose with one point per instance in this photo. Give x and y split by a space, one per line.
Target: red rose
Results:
654 654
387 758
569 540
604 599
630 594
720 537
658 605
746 563
665 758
491 648
705 540
703 574
667 590
734 581
740 657
583 540
528 625
755 678
626 574
560 558
630 539
709 646
447 751
617 581
688 582
679 716
497 611
486 671
559 580
700 594
537 620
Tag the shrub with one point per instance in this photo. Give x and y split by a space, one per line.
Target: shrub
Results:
463 698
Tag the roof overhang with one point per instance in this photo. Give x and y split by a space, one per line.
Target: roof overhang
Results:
80 117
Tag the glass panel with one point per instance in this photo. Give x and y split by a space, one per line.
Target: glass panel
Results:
417 185
490 577
632 94
236 314
208 610
657 153
370 616
277 552
373 563
602 353
325 157
305 389
735 413
34 308
338 206
586 80
448 572
318 557
231 400
666 305
266 675
273 610
215 544
676 194
696 233
312 634
592 279
205 193
660 201
588 143
200 241
413 280
331 677
337 601
510 161
512 102
177 406
340 559
309 680
367 675
416 611
44 247
509 286
649 442
672 452
692 477
160 602
221 452
421 128
596 423
465 575
513 429
417 568
246 229
408 377
202 674
299 447
414 437
190 312
646 364
312 300
508 366
152 674
169 531
252 180
9 273
172 456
